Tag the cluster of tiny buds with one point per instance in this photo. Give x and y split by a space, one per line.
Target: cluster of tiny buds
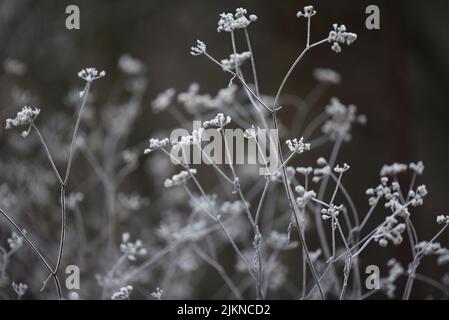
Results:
308 12
157 294
304 196
91 74
297 146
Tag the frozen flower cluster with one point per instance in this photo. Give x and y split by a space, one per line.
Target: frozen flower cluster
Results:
199 49
297 146
343 169
20 289
340 120
24 117
331 212
123 294
163 100
91 74
307 13
132 250
339 35
133 201
156 144
179 178
442 219
15 242
194 102
304 196
229 22
234 60
219 121
157 294
393 169
389 283
435 249
391 230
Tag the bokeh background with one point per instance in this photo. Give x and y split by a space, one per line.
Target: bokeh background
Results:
398 76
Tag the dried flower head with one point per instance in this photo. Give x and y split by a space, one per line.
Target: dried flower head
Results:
91 74
24 117
297 146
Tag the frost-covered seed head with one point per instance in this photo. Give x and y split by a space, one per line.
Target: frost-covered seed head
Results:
24 117
307 13
199 49
91 74
297 146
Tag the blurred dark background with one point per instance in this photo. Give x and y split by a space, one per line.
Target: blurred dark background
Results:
398 76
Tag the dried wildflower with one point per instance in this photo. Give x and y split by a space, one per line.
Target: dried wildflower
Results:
130 249
20 289
418 195
163 100
24 117
229 22
251 133
327 76
123 294
199 49
156 144
308 12
219 121
320 173
340 36
331 212
391 230
130 66
157 294
91 74
297 146
431 248
235 59
341 119
179 179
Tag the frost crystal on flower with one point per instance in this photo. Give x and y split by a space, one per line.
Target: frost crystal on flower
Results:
219 121
332 211
235 59
341 119
20 289
297 146
328 76
130 249
24 117
199 49
130 65
157 294
156 144
229 22
251 133
391 230
418 195
91 74
280 241
180 178
431 248
308 12
395 271
163 100
305 171
340 36
304 196
123 294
